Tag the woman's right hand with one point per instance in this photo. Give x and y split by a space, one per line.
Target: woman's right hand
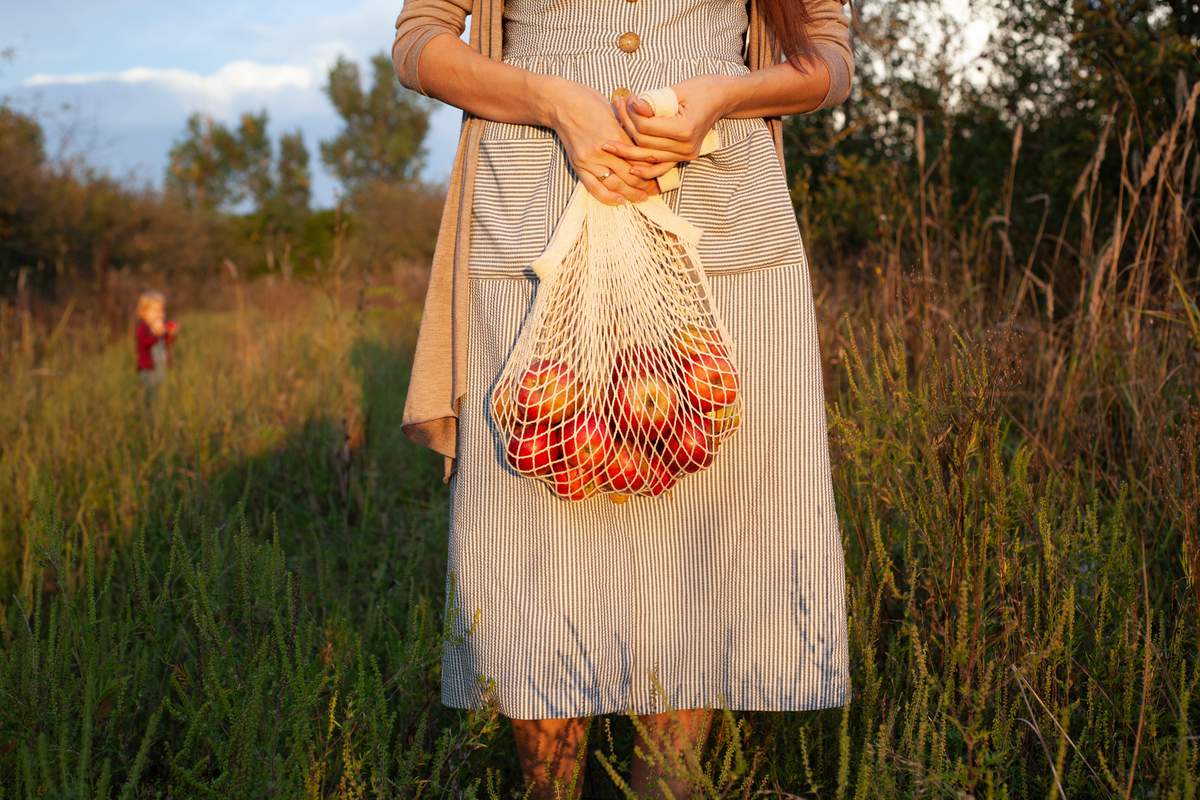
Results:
584 119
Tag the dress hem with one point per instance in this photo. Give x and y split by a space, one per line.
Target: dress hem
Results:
834 699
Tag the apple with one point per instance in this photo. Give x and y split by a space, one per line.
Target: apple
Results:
646 405
645 401
724 420
504 409
641 358
693 340
532 449
661 477
710 380
574 483
689 445
547 391
586 440
627 469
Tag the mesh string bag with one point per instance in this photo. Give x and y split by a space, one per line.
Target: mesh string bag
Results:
623 378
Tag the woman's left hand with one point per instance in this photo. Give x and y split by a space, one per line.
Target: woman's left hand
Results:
664 141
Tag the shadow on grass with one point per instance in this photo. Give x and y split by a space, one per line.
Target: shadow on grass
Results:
271 630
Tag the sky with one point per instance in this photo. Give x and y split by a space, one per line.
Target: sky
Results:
116 79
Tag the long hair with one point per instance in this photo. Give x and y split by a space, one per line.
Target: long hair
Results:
787 21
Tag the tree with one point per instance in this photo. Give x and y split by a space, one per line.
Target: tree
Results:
293 189
282 218
385 126
217 168
252 164
22 158
201 164
214 167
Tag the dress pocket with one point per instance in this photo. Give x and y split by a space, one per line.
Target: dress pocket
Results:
509 209
738 195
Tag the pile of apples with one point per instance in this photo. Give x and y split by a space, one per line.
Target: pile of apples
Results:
660 414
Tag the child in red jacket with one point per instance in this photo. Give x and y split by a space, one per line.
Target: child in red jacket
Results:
154 336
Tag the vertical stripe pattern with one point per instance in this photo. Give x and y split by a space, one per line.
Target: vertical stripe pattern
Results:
730 588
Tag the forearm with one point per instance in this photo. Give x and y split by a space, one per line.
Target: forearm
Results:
777 91
456 73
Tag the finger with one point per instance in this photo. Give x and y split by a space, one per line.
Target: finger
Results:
617 184
619 167
623 117
651 155
632 178
641 106
678 148
643 146
671 128
652 170
674 142
599 190
630 151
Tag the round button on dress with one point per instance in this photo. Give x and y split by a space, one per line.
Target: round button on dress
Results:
629 41
729 589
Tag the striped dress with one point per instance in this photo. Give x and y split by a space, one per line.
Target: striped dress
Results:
729 590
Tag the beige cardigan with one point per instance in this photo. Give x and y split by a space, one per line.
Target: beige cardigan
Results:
439 369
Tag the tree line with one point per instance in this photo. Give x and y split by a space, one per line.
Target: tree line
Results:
231 191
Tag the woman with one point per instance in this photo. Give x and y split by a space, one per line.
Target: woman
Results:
729 590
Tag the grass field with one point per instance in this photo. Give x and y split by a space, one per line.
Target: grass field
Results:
239 593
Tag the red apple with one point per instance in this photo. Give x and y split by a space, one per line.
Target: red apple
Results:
710 380
626 470
586 440
644 400
689 446
661 476
634 358
693 340
532 449
574 483
547 391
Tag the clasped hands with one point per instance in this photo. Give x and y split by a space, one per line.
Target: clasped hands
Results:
618 155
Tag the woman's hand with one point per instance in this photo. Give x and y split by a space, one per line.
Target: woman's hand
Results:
584 120
663 141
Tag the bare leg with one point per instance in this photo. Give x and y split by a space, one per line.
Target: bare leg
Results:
670 741
552 754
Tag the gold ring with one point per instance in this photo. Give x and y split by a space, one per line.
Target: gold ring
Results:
604 177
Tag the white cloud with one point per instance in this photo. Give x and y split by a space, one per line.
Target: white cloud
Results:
222 92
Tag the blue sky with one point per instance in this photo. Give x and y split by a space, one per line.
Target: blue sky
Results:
116 79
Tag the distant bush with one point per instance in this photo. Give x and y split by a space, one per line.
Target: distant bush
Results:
63 220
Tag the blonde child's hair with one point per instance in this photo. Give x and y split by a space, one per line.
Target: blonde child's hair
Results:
148 300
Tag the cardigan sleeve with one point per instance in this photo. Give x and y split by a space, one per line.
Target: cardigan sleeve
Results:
830 35
418 22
